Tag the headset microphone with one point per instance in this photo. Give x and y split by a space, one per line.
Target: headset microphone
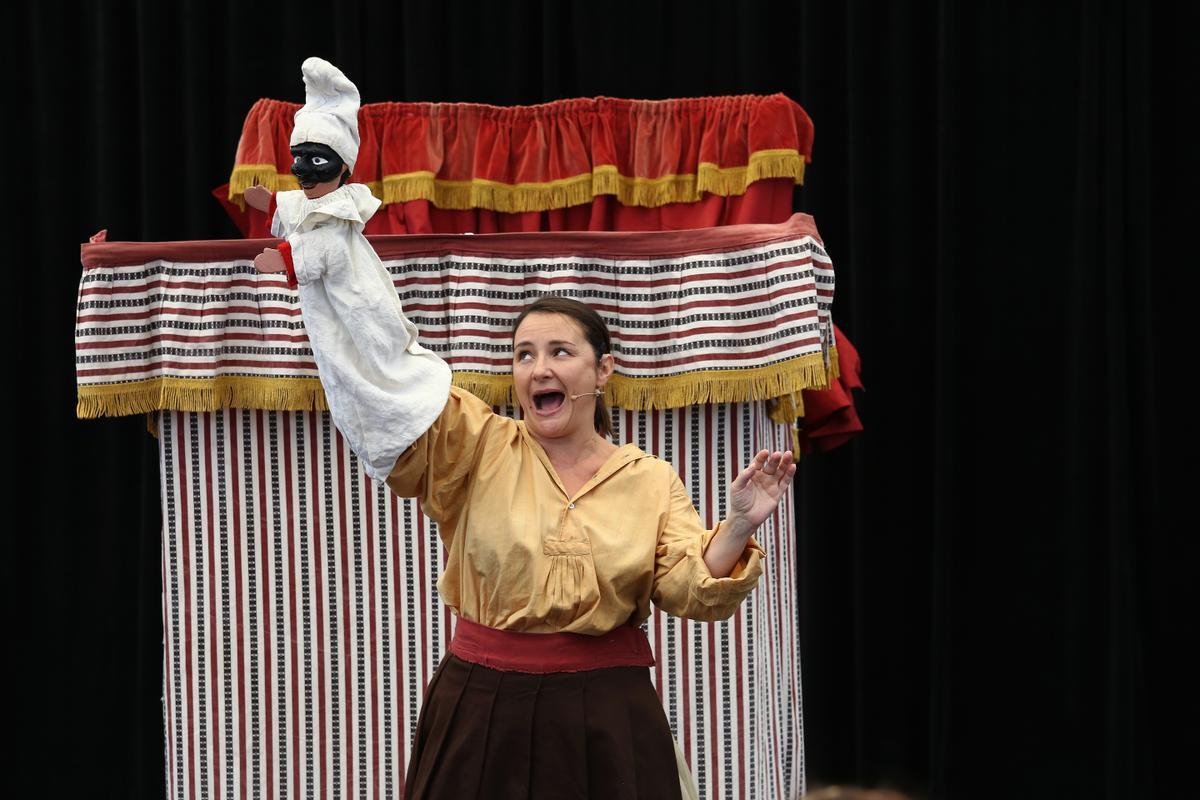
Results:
597 393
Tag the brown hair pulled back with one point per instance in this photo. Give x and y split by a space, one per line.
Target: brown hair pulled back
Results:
594 330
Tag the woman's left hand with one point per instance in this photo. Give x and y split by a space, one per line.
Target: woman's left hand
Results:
757 490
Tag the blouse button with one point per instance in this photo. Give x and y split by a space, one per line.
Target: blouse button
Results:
570 505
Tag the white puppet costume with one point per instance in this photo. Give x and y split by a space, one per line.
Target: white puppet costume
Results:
383 388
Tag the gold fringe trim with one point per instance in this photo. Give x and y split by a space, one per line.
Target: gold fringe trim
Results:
787 409
780 163
200 394
305 394
246 175
762 165
647 192
675 391
516 198
493 195
718 386
495 390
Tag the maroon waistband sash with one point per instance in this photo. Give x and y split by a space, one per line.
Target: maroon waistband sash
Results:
540 653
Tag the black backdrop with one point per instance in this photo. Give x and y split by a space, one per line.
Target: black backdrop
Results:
995 576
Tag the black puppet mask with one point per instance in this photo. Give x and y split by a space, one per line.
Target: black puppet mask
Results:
315 163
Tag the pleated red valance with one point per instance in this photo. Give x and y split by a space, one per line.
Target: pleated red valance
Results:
535 158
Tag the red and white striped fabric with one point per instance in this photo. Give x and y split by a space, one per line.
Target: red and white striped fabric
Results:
303 623
720 314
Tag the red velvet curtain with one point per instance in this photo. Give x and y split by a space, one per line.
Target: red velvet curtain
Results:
585 164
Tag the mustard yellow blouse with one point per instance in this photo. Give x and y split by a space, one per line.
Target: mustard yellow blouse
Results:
524 556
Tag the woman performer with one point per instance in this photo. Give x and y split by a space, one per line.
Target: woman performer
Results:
557 539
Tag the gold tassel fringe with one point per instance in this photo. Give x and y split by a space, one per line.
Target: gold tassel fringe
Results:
578 189
674 391
495 390
764 164
718 386
515 198
787 409
200 394
493 195
305 394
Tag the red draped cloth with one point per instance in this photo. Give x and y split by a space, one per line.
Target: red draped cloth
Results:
830 419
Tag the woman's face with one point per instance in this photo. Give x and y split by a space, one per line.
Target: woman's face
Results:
552 361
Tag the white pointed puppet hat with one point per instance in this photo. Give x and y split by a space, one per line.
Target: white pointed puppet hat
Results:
330 112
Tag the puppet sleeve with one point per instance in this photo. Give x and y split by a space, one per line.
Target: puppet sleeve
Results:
383 389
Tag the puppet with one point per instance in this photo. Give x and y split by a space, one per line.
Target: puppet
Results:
383 388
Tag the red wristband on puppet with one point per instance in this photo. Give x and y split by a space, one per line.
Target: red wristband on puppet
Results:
285 250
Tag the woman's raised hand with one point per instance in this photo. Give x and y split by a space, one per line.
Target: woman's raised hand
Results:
757 490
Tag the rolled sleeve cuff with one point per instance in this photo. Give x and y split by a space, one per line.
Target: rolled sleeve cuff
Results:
285 250
726 593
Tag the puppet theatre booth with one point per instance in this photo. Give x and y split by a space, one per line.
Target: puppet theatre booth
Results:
300 612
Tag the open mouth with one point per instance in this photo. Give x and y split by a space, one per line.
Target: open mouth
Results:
548 401
307 184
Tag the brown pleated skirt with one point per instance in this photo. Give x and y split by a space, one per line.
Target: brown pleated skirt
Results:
484 733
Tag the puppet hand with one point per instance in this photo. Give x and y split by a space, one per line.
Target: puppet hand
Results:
258 197
269 260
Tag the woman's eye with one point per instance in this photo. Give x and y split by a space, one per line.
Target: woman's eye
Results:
320 162
523 355
562 351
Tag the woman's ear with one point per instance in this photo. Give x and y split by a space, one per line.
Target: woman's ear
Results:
604 369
